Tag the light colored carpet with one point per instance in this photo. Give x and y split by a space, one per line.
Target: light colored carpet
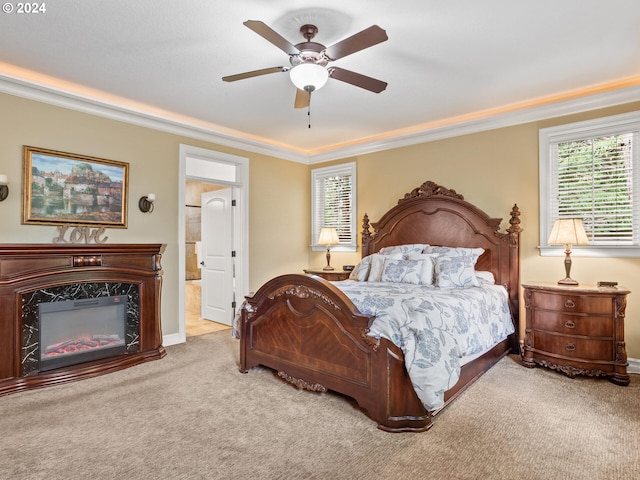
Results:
192 415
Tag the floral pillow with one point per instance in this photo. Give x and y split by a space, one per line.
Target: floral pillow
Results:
456 271
360 272
428 269
402 271
454 251
407 249
377 265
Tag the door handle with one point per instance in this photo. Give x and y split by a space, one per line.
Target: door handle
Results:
202 263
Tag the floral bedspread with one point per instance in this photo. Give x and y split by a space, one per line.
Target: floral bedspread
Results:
434 327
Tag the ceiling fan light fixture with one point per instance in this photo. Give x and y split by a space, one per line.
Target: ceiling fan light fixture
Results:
309 76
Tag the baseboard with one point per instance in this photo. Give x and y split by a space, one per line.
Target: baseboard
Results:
173 339
634 365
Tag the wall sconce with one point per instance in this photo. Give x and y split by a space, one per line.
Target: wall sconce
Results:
567 232
328 237
4 188
145 204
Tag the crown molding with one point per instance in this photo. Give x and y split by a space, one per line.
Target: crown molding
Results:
139 117
234 139
489 122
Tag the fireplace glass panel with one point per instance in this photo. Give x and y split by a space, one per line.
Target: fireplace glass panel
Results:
77 331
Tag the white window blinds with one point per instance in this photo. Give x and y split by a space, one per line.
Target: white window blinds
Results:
333 203
594 182
591 172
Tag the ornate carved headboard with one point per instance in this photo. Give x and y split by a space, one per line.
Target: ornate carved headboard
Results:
435 215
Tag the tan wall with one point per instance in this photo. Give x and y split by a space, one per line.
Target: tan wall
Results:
280 210
278 190
493 170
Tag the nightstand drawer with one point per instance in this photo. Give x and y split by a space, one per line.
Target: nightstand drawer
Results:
569 324
572 303
574 347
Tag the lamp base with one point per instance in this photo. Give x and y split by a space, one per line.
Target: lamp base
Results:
328 267
567 280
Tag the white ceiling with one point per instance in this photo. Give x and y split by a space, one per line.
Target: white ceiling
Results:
446 62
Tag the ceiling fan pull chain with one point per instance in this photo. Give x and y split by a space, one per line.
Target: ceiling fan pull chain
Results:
309 114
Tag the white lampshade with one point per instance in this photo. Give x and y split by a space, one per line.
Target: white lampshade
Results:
328 236
568 231
309 75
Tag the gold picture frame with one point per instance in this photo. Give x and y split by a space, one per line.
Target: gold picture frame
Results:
66 188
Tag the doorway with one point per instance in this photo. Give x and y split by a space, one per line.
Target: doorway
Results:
211 171
208 288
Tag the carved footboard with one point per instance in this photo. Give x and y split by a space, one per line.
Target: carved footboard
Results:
314 337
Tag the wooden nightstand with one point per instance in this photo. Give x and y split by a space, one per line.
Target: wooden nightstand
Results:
578 330
331 275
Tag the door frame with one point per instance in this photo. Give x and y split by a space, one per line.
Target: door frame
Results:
241 224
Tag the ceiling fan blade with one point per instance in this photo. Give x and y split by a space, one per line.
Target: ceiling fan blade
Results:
357 79
272 36
364 39
302 99
254 73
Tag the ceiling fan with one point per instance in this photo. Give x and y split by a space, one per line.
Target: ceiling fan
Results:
309 60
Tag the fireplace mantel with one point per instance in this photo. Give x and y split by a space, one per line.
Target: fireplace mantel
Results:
32 271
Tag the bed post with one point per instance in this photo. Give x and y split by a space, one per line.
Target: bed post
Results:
514 273
366 236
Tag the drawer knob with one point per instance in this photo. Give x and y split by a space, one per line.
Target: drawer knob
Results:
570 347
570 304
570 324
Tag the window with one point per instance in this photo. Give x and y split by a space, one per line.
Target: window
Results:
333 204
591 170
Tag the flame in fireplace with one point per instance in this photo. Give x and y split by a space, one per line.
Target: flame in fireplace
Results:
82 343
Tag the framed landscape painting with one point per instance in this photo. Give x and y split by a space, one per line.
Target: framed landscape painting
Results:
65 188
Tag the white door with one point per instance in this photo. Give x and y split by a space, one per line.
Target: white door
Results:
217 284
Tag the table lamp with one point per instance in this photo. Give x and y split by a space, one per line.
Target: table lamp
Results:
328 237
567 232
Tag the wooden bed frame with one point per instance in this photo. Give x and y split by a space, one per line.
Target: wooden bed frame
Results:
307 330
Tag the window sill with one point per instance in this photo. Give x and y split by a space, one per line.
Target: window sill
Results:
340 248
592 252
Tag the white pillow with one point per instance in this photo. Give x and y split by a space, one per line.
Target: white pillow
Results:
407 249
456 266
402 271
360 272
428 270
485 277
377 265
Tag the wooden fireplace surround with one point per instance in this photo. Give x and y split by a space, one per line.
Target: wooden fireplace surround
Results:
26 268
